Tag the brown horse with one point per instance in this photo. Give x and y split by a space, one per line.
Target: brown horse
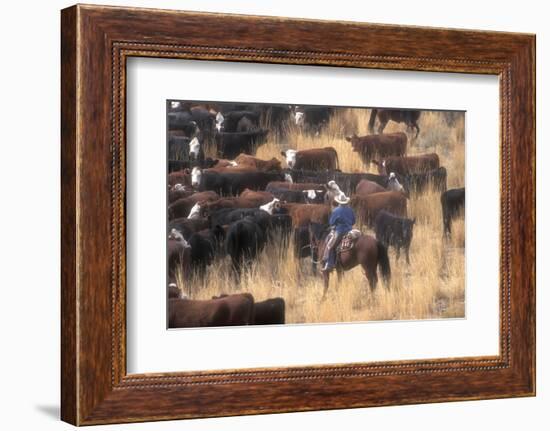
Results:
367 252
409 117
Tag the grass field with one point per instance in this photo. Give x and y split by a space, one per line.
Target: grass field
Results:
431 287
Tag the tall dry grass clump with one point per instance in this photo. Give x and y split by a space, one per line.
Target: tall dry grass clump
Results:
432 286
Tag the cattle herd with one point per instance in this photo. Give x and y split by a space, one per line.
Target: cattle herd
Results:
225 203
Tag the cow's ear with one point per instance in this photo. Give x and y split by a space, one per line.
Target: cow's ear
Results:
348 138
375 162
283 154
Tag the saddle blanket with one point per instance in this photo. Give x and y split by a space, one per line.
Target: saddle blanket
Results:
348 241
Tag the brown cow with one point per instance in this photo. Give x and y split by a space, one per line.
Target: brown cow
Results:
259 196
232 168
229 310
182 207
366 187
408 165
314 159
270 312
262 165
369 206
303 214
182 177
179 192
274 185
224 163
369 146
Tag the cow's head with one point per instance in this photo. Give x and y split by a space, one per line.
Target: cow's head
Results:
194 148
177 187
288 178
290 157
313 196
299 118
219 121
175 105
394 184
176 235
195 212
351 138
271 206
381 166
196 175
274 165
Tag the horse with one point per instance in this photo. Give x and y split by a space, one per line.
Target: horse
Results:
367 252
409 117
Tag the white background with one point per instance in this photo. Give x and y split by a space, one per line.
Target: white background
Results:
29 228
151 348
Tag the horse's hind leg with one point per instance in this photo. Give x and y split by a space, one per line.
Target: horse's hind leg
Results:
372 277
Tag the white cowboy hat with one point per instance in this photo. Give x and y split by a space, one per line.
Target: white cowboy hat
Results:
342 199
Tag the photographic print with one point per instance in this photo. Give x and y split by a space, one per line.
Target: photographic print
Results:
300 214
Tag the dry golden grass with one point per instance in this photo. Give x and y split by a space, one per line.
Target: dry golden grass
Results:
431 287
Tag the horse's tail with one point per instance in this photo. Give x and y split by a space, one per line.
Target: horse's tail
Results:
372 119
337 160
383 261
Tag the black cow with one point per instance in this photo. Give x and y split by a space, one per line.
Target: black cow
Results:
232 119
227 216
244 241
277 117
191 121
346 181
173 291
178 147
188 227
270 224
452 205
232 183
312 118
204 247
394 231
417 183
231 144
313 196
269 312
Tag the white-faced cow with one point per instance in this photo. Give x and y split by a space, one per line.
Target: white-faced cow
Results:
314 159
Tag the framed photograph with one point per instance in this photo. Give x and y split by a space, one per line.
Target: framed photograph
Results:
282 215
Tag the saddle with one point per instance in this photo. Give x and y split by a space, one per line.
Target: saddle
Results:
348 240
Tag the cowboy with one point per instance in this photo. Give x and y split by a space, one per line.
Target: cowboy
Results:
341 222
